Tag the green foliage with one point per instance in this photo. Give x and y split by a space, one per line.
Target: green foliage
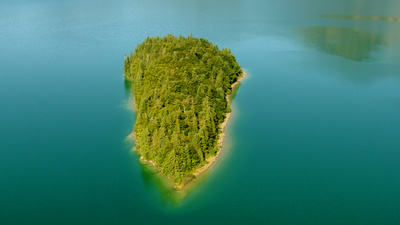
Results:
180 89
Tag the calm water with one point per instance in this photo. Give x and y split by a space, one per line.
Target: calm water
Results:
315 133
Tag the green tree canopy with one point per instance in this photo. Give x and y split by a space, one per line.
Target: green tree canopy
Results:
180 89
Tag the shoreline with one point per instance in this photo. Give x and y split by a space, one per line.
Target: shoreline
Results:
210 160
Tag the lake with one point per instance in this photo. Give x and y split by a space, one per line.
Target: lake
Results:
314 136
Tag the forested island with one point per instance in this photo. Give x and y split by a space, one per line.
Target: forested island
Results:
180 90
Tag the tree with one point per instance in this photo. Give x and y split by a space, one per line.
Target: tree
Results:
179 88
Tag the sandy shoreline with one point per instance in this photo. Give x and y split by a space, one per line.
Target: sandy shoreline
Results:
210 160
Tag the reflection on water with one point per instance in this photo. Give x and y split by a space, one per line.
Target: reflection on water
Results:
356 37
362 17
152 178
128 84
353 44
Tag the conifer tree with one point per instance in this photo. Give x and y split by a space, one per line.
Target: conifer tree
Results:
179 88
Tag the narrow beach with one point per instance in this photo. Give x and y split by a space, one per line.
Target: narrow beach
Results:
211 160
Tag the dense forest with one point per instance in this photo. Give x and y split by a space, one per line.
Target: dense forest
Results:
179 88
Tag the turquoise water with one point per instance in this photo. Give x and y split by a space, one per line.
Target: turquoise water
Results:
314 136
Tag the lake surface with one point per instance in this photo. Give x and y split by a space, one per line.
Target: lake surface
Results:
314 137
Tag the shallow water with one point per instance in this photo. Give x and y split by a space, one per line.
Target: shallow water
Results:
313 138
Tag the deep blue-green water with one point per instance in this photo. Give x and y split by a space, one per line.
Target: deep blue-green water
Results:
314 137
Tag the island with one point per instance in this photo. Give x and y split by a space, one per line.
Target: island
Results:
181 88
